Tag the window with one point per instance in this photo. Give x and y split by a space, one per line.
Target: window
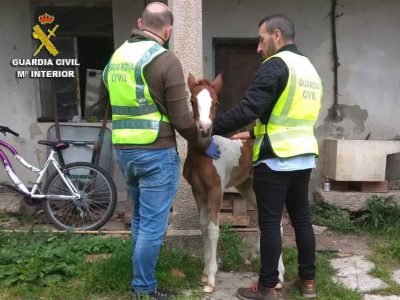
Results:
86 34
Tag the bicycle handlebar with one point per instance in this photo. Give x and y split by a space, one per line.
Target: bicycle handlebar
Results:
4 130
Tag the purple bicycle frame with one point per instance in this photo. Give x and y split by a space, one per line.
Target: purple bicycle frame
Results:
4 159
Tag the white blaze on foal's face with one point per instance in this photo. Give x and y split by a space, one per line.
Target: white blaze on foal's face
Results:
204 104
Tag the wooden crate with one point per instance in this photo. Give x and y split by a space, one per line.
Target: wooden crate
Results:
233 209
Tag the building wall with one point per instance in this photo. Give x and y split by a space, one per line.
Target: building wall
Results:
18 97
368 40
125 15
369 81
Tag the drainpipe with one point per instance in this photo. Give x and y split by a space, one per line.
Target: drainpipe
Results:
335 111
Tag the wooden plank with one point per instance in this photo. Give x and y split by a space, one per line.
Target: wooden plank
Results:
374 186
360 186
339 185
226 204
239 206
227 218
231 190
187 232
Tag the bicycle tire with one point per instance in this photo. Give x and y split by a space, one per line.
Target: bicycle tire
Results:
95 206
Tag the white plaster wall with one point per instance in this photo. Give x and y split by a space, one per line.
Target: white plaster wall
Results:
125 15
369 75
239 19
18 97
368 40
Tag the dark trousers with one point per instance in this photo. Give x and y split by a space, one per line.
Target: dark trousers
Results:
273 190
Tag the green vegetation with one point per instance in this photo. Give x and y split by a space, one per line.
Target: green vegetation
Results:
385 260
381 217
335 219
230 249
39 265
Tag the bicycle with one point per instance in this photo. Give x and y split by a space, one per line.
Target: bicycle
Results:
76 196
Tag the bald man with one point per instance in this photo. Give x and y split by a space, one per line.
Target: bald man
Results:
148 99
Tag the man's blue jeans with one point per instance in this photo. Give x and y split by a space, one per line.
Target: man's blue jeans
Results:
152 177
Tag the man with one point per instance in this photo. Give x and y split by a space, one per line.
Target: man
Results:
148 100
284 99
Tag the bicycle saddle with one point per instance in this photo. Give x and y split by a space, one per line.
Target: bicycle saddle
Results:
61 145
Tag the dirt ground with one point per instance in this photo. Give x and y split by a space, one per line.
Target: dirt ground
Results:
331 242
326 241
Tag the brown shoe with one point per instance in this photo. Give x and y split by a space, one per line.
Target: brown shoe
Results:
306 287
257 292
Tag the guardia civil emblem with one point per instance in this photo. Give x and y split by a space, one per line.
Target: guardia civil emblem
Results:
44 38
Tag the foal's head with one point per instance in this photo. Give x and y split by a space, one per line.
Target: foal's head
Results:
204 100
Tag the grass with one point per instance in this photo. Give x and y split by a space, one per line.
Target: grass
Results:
335 219
380 218
55 266
48 266
230 249
386 261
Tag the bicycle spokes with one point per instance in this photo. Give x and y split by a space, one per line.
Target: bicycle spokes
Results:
95 196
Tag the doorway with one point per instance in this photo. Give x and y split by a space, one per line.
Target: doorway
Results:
237 60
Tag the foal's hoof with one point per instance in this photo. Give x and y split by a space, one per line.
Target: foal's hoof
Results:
204 279
208 289
279 285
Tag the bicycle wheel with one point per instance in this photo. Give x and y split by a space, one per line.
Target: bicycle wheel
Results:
96 201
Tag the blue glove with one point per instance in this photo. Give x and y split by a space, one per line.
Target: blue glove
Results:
213 150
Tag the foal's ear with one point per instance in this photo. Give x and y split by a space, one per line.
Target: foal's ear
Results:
191 81
217 83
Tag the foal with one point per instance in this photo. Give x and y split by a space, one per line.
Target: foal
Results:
208 178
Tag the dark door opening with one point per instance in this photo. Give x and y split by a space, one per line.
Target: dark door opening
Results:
237 60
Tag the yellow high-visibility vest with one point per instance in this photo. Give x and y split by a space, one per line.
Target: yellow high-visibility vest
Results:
290 128
135 116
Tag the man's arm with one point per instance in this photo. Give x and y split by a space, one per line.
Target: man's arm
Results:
261 95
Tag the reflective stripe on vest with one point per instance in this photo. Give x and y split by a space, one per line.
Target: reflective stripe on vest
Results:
135 116
290 128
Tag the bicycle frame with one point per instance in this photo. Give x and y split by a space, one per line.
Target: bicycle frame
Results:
35 192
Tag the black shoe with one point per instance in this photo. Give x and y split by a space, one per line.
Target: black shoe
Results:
158 294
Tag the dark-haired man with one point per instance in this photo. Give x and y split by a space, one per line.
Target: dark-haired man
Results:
148 100
284 99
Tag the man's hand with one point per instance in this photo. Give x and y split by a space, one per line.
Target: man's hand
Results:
241 136
213 150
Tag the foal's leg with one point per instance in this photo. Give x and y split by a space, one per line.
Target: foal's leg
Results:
281 267
215 198
202 207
